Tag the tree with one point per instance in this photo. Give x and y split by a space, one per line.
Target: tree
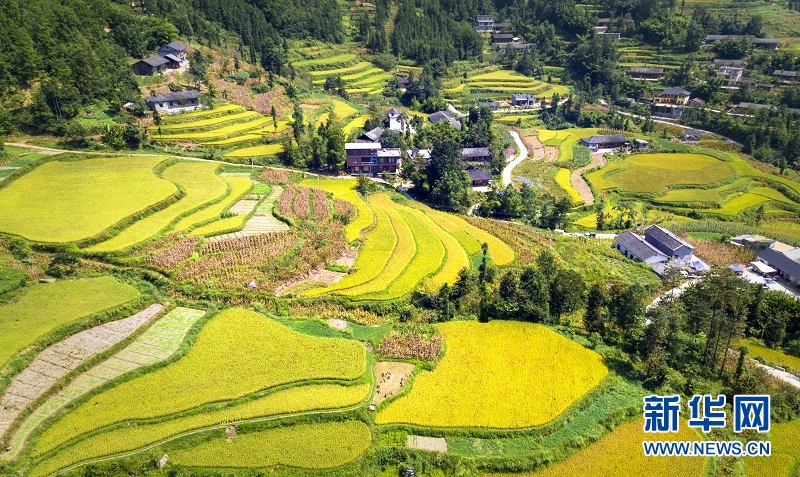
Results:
63 264
274 117
567 293
596 310
334 140
297 124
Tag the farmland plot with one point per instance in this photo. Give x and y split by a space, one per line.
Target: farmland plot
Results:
65 201
238 187
124 439
45 307
156 344
502 375
306 446
201 184
216 368
620 454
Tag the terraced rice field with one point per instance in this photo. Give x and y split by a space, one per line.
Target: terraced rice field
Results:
58 360
357 123
221 226
238 187
260 150
563 180
771 355
44 307
156 344
201 184
361 77
648 173
506 81
785 453
330 60
217 368
412 246
213 121
305 446
620 454
501 375
202 114
65 201
125 439
564 140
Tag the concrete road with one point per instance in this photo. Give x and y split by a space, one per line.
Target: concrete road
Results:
514 162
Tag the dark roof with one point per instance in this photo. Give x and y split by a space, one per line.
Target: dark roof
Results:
786 73
675 91
172 57
475 152
636 245
176 96
728 37
394 111
154 61
780 261
601 140
374 134
502 25
744 105
502 36
490 104
766 41
175 46
479 174
638 69
403 80
440 116
665 238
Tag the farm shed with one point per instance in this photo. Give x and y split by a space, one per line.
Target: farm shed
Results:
668 243
476 154
150 66
174 102
479 177
611 141
783 258
635 247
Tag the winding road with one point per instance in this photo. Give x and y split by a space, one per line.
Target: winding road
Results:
514 162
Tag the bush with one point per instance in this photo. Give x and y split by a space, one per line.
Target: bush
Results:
63 264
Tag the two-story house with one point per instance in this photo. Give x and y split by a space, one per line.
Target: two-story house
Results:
670 103
484 23
369 158
176 102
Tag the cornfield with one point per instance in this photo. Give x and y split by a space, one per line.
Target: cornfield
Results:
175 254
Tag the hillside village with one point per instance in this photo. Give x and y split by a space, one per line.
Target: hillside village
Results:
399 238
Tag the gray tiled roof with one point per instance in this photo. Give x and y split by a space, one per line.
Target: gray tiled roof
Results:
176 96
780 261
636 245
155 61
479 174
601 140
665 238
468 152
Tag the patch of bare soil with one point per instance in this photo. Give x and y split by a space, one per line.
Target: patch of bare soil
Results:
337 324
392 376
579 183
433 444
318 275
550 153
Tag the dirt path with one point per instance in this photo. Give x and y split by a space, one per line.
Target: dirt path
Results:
523 154
579 183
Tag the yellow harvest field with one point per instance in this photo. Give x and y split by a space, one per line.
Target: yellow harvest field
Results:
502 375
620 454
260 150
306 446
125 439
201 184
785 452
563 180
238 186
217 368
